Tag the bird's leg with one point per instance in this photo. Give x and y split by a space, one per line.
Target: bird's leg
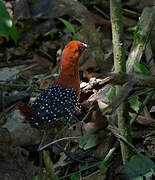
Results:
73 119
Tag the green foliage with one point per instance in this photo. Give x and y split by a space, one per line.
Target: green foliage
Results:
7 28
14 33
140 69
88 141
52 33
84 167
134 103
5 21
69 27
75 176
137 167
139 38
102 164
49 165
111 94
39 176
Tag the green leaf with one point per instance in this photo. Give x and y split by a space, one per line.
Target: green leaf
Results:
140 69
84 166
88 141
134 103
5 21
75 176
14 34
7 28
39 176
68 26
103 164
111 94
52 33
137 167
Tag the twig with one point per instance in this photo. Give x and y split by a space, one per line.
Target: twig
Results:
115 131
138 79
147 99
101 12
18 64
58 140
68 155
2 85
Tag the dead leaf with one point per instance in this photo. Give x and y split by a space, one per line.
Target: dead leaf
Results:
150 146
22 134
77 130
100 96
152 109
89 126
45 83
5 142
100 21
16 165
97 175
149 119
25 13
43 62
10 73
144 118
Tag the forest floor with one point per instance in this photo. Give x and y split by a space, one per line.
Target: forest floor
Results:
30 57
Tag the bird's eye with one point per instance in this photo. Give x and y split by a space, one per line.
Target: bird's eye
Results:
81 48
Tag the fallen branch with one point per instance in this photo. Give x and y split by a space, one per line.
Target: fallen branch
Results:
139 80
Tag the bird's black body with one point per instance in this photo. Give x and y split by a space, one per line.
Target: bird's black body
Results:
54 104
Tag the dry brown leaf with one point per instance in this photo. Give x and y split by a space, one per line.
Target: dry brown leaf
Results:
144 118
89 126
97 175
16 165
103 23
150 146
43 62
45 83
5 142
22 134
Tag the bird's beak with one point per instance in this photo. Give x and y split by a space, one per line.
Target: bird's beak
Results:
85 45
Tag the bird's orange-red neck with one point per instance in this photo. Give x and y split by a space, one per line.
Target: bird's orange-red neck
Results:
69 77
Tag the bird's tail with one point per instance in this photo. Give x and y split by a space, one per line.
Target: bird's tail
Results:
26 110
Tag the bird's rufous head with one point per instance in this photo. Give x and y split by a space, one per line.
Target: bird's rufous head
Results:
73 51
69 76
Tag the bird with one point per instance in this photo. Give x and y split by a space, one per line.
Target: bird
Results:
58 102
